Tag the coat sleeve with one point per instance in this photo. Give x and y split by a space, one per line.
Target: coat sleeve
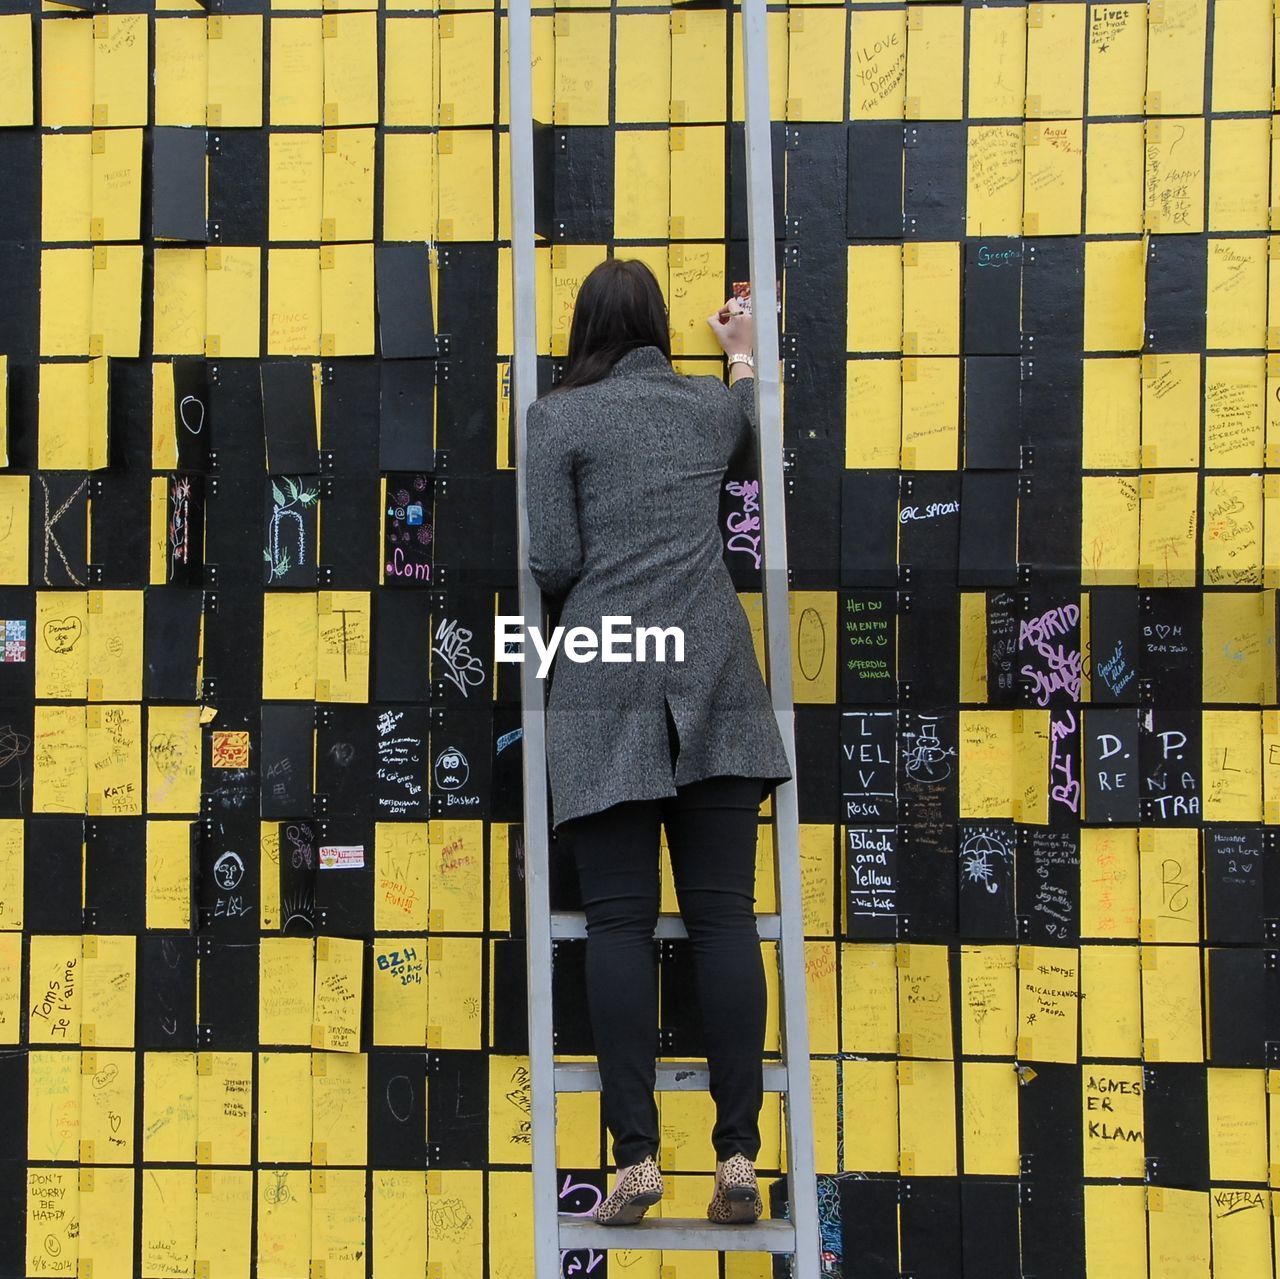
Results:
739 403
555 546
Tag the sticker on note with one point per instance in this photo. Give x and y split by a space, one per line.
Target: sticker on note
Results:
742 294
341 856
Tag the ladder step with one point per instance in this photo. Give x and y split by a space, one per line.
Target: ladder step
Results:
678 1234
569 925
672 1076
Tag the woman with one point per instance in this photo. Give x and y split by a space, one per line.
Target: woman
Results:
625 462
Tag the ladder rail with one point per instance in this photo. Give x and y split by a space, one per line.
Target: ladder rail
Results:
537 875
801 1178
547 1225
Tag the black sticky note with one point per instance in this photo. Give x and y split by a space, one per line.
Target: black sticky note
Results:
986 896
993 296
408 530
17 733
51 899
582 167
286 759
406 327
402 637
397 1107
59 519
228 889
345 876
1169 753
989 1231
192 419
178 184
1114 645
289 416
458 1116
1175 1111
929 771
569 1002
869 1224
184 530
291 506
400 787
167 992
868 767
929 532
1051 1223
874 197
1176 291
407 420
992 413
1049 884
867 646
115 875
1002 648
872 874
1237 998
738 216
930 1217
1170 656
228 981
1111 768
345 758
935 174
299 857
1237 862
1051 1122
869 529
171 647
988 529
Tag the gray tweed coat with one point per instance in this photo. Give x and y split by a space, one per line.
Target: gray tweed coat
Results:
623 485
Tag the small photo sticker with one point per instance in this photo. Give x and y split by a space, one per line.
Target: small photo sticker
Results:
341 856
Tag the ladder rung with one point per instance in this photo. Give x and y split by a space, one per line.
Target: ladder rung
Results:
682 1234
672 1076
568 925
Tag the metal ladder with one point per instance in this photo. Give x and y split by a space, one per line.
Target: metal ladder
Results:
554 1232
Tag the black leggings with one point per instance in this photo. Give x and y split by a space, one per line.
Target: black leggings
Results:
711 826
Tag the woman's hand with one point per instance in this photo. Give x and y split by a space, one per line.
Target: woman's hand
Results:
732 327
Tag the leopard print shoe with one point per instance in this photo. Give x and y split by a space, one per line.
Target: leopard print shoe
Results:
638 1189
737 1197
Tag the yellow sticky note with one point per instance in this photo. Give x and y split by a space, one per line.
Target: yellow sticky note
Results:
16 61
1048 998
926 1118
56 990
869 998
1108 882
1114 292
338 992
346 299
106 1107
931 298
1055 62
1175 50
1111 1002
935 62
106 1219
66 73
233 304
1239 161
453 992
297 71
235 72
1167 542
1236 631
1053 173
53 1105
168 870
873 414
990 1101
181 71
173 760
1234 390
1175 179
116 184
1178 1230
66 186
169 1107
120 67
997 62
115 644
931 413
293 302
1109 530
1115 1230
286 977
342 646
1117 61
1169 875
1114 167
872 1146
168 1219
399 1203
1236 300
53 1218
224 1216
1237 1125
1171 1011
297 173
924 1002
994 183
409 193
288 645
114 753
351 67
455 1220
339 1096
400 991
180 304
989 1000
284 1107
61 778
1232 760
224 1113
402 875
1111 1099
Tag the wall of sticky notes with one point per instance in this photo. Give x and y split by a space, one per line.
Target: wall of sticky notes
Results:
261 859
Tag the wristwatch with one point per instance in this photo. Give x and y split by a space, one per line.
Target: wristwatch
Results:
741 357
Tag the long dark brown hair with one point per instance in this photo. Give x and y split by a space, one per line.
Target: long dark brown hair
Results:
618 308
